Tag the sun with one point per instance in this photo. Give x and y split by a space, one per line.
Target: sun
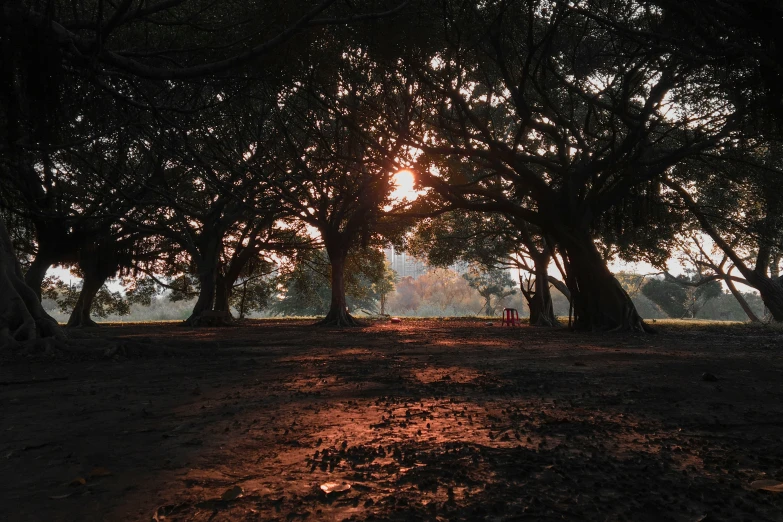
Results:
403 186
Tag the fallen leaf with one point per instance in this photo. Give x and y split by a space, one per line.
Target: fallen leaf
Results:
768 485
164 511
213 504
548 476
78 481
100 472
335 487
232 493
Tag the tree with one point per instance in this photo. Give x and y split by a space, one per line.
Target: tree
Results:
384 286
494 240
559 116
306 288
489 283
737 202
333 169
677 298
255 288
50 49
694 253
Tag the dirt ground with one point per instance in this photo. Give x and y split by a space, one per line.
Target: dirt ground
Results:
423 420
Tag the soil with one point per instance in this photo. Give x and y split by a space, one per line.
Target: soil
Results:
421 420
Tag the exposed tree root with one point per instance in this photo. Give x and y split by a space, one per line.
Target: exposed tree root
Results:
339 319
22 318
209 319
545 321
81 322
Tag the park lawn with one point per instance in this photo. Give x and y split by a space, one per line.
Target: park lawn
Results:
424 420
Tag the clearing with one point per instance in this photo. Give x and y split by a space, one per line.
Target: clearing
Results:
424 420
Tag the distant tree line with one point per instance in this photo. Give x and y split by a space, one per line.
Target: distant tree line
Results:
191 147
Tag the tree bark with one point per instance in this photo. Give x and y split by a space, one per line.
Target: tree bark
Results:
242 302
223 289
599 301
741 300
206 296
207 261
338 311
772 294
35 275
542 312
80 316
22 318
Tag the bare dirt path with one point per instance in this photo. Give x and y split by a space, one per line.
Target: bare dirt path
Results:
424 420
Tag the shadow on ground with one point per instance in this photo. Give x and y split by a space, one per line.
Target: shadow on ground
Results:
425 420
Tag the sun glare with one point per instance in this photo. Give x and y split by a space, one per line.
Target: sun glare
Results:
403 186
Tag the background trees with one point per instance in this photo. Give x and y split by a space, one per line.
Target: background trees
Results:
167 139
565 119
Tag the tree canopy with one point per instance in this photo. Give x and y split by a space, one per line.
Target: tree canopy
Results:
190 146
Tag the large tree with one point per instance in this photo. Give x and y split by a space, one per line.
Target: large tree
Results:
333 164
140 54
494 240
735 198
568 117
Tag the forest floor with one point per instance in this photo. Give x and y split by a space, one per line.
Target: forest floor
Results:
423 420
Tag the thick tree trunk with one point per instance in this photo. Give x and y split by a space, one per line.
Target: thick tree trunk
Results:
772 294
36 273
338 311
223 289
542 313
599 301
206 297
80 316
22 319
205 312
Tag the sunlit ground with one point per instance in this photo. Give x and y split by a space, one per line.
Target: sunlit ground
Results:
424 420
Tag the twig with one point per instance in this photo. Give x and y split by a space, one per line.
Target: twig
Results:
33 381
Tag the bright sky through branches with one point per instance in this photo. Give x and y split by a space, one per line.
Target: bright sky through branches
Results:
403 187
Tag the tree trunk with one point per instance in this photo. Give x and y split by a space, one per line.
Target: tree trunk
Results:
223 289
206 296
80 317
488 308
36 273
242 302
772 294
206 311
56 244
600 303
741 300
338 311
22 318
542 313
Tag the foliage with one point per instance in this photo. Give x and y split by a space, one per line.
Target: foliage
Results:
490 283
104 304
305 284
677 298
256 287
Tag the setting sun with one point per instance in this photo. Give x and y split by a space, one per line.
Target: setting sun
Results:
403 186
